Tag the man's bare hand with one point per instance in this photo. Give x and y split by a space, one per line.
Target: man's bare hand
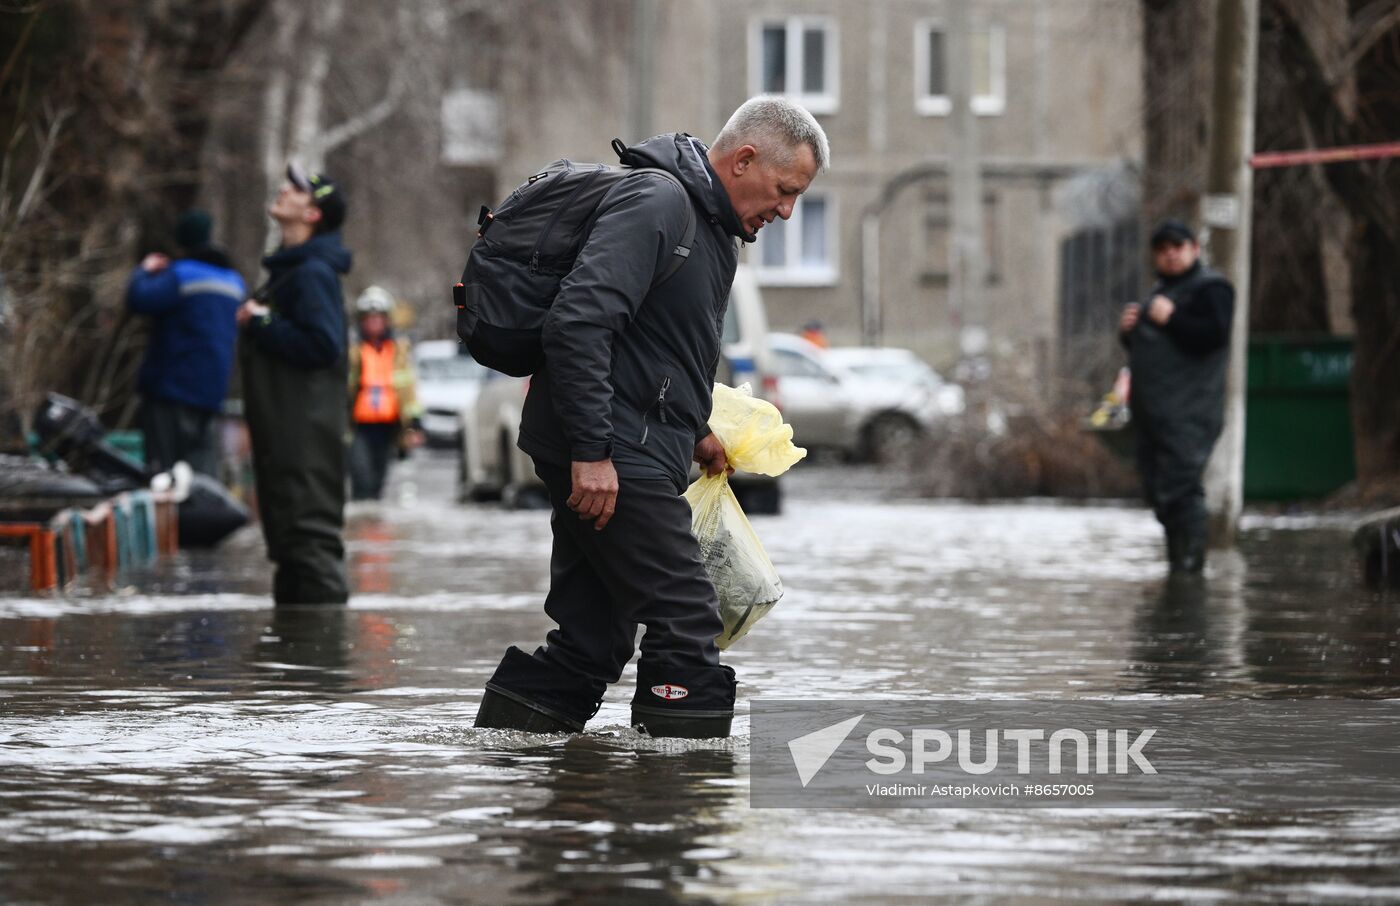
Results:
594 493
1160 309
711 456
249 310
154 262
1131 312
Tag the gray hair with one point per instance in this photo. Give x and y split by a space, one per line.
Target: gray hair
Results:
775 126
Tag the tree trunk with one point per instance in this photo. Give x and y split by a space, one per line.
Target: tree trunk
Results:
1375 375
99 187
1359 104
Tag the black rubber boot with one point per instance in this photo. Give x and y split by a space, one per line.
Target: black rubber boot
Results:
502 709
682 724
1186 541
523 681
683 702
1191 554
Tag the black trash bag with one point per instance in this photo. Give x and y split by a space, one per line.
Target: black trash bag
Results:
209 514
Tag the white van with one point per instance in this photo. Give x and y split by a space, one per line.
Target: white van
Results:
492 467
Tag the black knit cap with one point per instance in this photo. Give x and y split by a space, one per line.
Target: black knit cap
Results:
193 229
1172 231
325 194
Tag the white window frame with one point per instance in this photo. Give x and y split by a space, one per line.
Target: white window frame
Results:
826 101
794 272
927 104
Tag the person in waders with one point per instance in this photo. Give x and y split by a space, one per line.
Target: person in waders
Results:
292 357
1178 345
619 411
384 403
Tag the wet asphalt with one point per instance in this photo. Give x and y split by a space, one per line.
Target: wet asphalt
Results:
173 739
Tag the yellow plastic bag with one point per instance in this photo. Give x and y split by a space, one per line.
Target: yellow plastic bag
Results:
752 431
755 440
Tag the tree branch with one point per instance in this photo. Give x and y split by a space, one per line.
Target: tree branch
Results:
340 134
36 179
1319 103
1384 22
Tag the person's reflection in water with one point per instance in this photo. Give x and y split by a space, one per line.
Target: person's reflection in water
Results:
371 556
305 648
638 821
1181 641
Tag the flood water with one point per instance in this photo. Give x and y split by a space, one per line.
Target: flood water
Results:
174 739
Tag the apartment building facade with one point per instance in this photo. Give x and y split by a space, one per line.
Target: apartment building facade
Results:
878 249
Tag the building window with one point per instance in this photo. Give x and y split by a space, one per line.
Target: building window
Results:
991 237
988 53
800 251
471 128
937 252
796 57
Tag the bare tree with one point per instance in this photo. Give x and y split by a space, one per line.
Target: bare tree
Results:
103 105
295 119
1352 96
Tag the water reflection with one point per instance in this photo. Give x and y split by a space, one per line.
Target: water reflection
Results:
305 648
619 817
1184 640
186 741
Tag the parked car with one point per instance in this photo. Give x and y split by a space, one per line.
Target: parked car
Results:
870 404
901 380
492 467
448 382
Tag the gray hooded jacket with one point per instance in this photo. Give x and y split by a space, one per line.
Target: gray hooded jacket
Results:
629 367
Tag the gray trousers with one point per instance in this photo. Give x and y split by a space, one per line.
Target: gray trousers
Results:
175 432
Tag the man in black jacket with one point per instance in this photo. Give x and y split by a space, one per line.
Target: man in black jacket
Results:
619 412
294 393
1178 348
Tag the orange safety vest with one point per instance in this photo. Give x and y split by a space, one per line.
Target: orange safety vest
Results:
377 402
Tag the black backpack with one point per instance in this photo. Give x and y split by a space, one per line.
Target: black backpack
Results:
525 248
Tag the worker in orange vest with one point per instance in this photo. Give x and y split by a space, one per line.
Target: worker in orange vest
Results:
383 405
815 333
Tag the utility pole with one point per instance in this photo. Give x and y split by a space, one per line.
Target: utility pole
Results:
965 176
640 70
1226 213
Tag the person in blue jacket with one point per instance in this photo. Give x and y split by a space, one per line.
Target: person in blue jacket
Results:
192 302
295 399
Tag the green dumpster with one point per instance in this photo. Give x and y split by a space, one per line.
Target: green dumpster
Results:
1298 438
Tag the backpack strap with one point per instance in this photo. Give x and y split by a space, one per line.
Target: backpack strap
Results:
681 253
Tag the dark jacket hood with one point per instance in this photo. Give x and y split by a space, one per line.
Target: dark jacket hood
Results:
683 156
325 246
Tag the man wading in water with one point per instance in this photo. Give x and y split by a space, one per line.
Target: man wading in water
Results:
619 411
